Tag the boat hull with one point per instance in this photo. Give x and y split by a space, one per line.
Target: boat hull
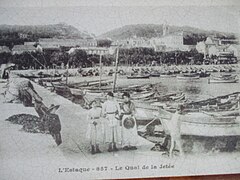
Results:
222 81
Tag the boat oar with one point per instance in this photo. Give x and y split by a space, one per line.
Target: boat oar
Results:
144 127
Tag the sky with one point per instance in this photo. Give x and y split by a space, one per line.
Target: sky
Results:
99 16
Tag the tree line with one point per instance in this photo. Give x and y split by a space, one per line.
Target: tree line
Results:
80 58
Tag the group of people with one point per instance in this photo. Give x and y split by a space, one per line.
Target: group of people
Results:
112 124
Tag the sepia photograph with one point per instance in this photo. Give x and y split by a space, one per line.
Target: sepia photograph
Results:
119 89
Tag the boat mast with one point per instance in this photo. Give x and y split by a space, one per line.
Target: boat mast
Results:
100 71
67 73
116 69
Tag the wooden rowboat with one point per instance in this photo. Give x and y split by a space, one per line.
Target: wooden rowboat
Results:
138 77
188 76
214 80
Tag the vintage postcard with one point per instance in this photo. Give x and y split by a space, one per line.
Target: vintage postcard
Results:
105 89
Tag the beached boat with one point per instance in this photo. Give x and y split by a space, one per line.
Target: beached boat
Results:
188 76
167 75
223 81
154 73
138 77
220 103
224 78
57 79
200 124
142 95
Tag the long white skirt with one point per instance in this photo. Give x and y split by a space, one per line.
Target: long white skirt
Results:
95 133
112 129
129 136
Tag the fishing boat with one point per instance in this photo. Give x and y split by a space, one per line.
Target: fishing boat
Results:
53 79
138 76
192 124
188 76
223 79
142 95
200 124
155 74
167 75
220 103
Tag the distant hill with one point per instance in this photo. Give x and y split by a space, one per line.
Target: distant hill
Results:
191 35
11 35
51 30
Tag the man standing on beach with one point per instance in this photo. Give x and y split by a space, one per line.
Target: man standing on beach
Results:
110 109
129 127
175 131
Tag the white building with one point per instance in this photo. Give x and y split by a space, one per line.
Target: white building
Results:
235 49
19 49
172 42
91 50
68 42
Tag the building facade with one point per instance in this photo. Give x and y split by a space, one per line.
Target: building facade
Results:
19 49
68 42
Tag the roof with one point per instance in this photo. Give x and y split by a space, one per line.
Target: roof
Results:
65 40
48 46
4 49
209 41
23 48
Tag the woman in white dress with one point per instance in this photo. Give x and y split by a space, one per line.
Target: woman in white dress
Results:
110 109
94 132
129 126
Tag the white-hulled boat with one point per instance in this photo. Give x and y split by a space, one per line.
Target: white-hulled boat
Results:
227 78
188 76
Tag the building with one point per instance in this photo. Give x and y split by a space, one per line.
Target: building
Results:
172 42
91 50
159 48
30 43
68 42
217 50
235 49
23 35
19 49
204 46
47 47
4 49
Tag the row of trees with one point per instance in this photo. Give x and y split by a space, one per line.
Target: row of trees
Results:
148 56
79 58
52 59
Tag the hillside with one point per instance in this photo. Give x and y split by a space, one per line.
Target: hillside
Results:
11 35
52 30
191 35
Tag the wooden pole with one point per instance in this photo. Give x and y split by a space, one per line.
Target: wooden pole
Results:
116 69
100 71
67 74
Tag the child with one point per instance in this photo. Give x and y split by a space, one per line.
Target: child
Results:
94 126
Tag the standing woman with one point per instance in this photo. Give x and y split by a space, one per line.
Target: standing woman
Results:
94 132
129 126
110 110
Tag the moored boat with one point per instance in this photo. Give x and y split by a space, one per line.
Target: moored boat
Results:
138 77
188 76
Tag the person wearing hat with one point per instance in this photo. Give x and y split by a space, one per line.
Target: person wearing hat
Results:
110 109
94 132
129 126
175 131
53 124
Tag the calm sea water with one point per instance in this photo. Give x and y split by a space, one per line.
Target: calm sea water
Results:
195 90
